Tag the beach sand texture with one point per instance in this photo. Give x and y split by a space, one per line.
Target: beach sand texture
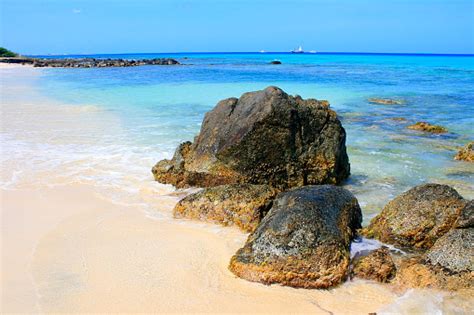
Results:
68 245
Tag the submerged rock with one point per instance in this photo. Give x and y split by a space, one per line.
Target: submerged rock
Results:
304 239
418 217
385 101
427 127
264 137
377 265
466 153
243 205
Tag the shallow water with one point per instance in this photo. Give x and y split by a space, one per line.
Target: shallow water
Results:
153 109
107 127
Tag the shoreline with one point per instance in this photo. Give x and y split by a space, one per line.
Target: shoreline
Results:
84 252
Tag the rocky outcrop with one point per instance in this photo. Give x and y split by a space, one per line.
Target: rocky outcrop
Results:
427 127
243 205
275 62
466 153
17 60
89 62
438 224
385 101
304 239
418 217
264 137
377 265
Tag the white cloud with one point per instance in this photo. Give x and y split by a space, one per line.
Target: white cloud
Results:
76 11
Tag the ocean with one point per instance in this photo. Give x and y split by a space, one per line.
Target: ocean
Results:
157 107
107 127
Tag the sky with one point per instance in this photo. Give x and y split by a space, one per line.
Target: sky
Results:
128 26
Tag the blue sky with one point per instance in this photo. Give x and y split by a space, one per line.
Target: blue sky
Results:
115 26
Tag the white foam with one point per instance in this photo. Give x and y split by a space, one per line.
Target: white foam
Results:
363 245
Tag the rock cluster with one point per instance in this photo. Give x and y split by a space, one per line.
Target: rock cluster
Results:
437 225
252 156
265 161
427 127
89 62
264 137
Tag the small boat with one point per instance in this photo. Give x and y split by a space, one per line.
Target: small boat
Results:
299 50
312 51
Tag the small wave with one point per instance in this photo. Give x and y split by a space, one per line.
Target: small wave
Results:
416 302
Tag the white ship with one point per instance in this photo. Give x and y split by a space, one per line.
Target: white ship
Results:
299 50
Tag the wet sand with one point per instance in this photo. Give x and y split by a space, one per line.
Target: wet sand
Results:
67 250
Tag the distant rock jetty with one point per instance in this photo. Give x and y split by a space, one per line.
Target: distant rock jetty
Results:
88 62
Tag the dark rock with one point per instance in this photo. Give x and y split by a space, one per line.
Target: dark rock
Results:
17 60
243 205
377 265
88 62
427 127
304 239
275 62
265 137
418 217
466 218
466 153
385 101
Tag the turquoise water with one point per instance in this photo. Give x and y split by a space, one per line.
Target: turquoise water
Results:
160 106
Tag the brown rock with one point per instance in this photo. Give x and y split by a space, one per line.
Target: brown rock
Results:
427 127
377 265
466 153
243 205
418 217
415 273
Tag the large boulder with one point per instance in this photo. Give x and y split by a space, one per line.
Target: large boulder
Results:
304 239
243 205
264 137
418 217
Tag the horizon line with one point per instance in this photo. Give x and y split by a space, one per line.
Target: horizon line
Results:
263 53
